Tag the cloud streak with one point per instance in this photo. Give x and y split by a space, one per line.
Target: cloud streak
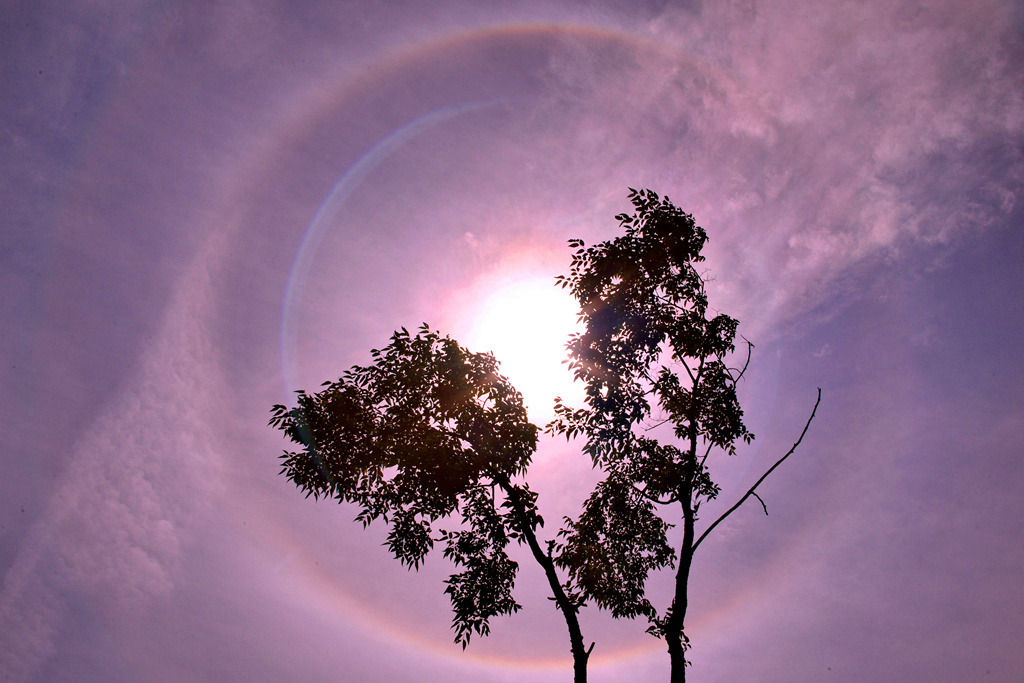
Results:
128 500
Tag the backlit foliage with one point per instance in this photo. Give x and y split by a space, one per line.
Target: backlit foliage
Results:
651 353
427 431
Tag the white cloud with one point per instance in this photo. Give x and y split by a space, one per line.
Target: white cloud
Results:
116 523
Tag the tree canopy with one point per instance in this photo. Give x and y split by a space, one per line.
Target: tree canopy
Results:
430 430
652 352
413 438
427 431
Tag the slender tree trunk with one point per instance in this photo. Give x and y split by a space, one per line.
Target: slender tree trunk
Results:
674 633
674 627
580 654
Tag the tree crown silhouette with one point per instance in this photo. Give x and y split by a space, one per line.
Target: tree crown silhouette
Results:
651 353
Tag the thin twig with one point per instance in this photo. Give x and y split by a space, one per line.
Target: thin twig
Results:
763 477
711 445
658 424
654 499
760 500
750 349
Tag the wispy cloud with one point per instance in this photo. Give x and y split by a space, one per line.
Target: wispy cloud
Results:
116 522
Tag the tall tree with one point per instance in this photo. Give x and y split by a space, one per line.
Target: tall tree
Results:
427 431
650 353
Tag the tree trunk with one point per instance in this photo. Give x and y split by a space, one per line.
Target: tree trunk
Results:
674 633
580 654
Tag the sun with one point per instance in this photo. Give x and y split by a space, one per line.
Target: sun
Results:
526 322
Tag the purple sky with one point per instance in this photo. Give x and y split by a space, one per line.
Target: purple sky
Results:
208 205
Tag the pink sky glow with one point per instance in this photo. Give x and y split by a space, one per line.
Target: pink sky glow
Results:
210 205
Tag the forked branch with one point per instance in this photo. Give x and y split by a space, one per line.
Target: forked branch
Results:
764 476
743 370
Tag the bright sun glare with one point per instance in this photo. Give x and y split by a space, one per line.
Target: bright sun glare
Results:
526 324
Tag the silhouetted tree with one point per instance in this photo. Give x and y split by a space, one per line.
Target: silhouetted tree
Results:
650 354
426 431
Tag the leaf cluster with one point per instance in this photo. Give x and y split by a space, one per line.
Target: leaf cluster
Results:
613 546
422 433
484 588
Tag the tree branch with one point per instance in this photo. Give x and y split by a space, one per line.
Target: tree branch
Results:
760 500
665 300
706 453
764 476
689 372
655 499
743 370
658 424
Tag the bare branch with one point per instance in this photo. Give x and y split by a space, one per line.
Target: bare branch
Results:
750 349
763 477
760 500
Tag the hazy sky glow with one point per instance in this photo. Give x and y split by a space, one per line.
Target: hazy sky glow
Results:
210 205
